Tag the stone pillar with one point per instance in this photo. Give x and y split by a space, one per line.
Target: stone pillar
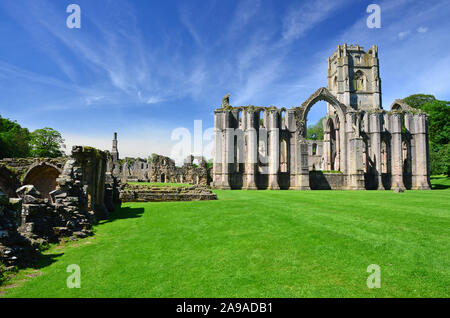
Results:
326 147
251 159
218 148
274 149
355 144
397 151
301 165
375 149
421 162
227 157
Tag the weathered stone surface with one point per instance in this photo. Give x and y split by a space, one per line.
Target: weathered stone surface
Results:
73 199
142 193
266 147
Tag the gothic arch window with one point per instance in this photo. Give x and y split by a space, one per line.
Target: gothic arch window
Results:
236 153
284 154
261 119
283 119
359 81
239 119
335 83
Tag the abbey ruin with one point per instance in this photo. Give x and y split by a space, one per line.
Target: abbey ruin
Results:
364 146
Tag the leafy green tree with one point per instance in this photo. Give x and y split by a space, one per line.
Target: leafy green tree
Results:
209 163
47 142
14 140
418 100
438 127
315 132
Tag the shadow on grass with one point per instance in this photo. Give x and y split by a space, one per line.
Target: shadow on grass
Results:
440 182
46 260
123 213
440 186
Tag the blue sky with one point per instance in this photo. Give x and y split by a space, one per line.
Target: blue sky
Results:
144 68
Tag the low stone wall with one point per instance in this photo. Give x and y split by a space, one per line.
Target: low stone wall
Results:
319 180
142 193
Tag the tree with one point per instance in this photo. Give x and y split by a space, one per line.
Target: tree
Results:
418 100
47 142
209 163
14 140
315 132
438 128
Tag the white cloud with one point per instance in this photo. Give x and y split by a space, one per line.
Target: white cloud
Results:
402 34
422 29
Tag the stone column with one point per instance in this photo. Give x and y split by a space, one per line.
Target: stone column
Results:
218 148
397 151
301 165
227 157
422 168
251 159
326 147
274 148
355 144
375 149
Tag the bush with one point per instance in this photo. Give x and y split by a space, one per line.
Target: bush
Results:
440 159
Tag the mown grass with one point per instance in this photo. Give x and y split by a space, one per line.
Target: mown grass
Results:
261 244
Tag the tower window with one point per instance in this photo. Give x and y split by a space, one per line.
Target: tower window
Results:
358 81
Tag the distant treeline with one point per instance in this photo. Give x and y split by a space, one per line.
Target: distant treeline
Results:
19 142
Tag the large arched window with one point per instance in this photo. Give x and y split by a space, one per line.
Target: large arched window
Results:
359 81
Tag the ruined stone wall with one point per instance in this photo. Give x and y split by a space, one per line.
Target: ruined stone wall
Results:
195 173
259 147
135 170
41 172
142 193
73 199
15 249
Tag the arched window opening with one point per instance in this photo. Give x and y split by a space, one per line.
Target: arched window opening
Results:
359 81
236 154
284 156
262 122
283 119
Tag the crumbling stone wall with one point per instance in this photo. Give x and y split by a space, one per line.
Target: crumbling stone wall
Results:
77 191
40 172
134 170
163 169
142 193
195 174
258 147
15 249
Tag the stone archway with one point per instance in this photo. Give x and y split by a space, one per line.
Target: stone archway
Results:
399 105
43 177
323 94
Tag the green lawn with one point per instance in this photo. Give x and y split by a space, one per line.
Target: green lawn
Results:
260 244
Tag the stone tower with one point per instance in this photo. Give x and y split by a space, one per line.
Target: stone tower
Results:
115 151
353 77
